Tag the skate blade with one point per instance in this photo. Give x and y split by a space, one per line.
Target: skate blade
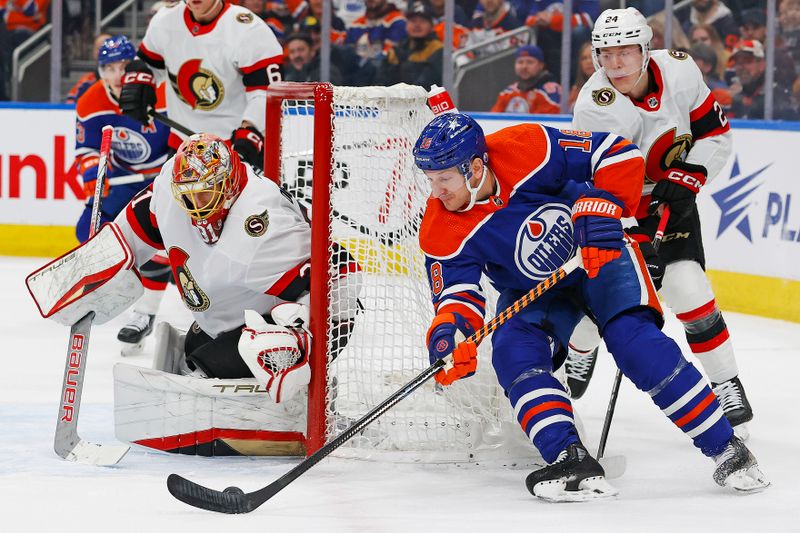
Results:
742 431
747 481
128 349
591 488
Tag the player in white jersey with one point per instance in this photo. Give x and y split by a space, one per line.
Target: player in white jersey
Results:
235 242
219 59
659 101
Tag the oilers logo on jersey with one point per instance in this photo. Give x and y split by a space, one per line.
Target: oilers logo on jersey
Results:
198 87
544 241
130 145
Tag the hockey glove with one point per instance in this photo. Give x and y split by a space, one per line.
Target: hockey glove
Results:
678 189
655 266
138 92
445 336
249 144
598 230
276 355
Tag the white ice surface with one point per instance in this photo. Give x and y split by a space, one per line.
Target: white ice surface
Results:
667 486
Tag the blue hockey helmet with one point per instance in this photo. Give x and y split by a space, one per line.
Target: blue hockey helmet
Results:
450 140
117 48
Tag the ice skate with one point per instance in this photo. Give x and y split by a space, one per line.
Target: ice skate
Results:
133 334
580 367
738 470
735 405
574 477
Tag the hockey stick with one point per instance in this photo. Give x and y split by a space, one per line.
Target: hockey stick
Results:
612 402
235 501
67 443
164 119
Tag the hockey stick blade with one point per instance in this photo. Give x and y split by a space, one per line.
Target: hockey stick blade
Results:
88 453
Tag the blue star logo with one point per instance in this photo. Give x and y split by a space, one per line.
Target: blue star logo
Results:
734 199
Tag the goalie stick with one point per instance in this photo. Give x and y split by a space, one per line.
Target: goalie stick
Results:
67 443
234 500
612 401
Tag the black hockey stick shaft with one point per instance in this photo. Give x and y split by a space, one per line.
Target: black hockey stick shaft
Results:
612 401
164 119
234 501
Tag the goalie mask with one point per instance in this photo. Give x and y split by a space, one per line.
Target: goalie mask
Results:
207 177
621 27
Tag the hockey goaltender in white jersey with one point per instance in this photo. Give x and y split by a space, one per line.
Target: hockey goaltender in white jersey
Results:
239 250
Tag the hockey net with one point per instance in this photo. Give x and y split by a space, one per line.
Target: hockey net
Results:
351 150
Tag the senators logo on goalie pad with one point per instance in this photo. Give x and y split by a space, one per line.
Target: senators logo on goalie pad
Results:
193 296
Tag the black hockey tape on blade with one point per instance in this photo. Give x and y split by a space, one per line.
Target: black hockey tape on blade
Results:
229 501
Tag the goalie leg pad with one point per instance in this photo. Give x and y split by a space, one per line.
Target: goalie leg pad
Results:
169 355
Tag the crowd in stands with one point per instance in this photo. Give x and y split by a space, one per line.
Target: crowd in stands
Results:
381 42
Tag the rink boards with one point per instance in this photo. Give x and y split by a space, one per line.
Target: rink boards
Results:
751 226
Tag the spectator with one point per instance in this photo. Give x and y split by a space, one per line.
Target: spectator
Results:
375 33
344 57
748 93
754 28
349 10
679 39
338 29
536 89
302 61
88 79
706 34
19 20
706 59
548 19
583 71
461 23
417 59
459 15
717 14
789 19
496 17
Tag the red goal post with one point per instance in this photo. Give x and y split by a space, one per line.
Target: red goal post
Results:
351 150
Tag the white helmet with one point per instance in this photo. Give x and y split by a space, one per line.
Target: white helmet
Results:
620 27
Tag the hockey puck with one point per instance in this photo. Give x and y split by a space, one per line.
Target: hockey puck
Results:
234 490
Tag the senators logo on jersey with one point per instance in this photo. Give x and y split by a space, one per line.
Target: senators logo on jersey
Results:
193 296
256 225
544 241
667 148
604 96
198 87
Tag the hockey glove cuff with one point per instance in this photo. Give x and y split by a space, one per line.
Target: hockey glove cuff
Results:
249 144
678 189
138 92
598 230
465 362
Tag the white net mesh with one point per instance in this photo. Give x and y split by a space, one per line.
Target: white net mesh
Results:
377 199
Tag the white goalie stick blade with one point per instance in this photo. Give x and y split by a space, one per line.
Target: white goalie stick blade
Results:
591 488
94 454
614 466
67 443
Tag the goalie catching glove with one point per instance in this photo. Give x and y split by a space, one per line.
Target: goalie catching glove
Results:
138 93
598 230
447 334
277 354
678 189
